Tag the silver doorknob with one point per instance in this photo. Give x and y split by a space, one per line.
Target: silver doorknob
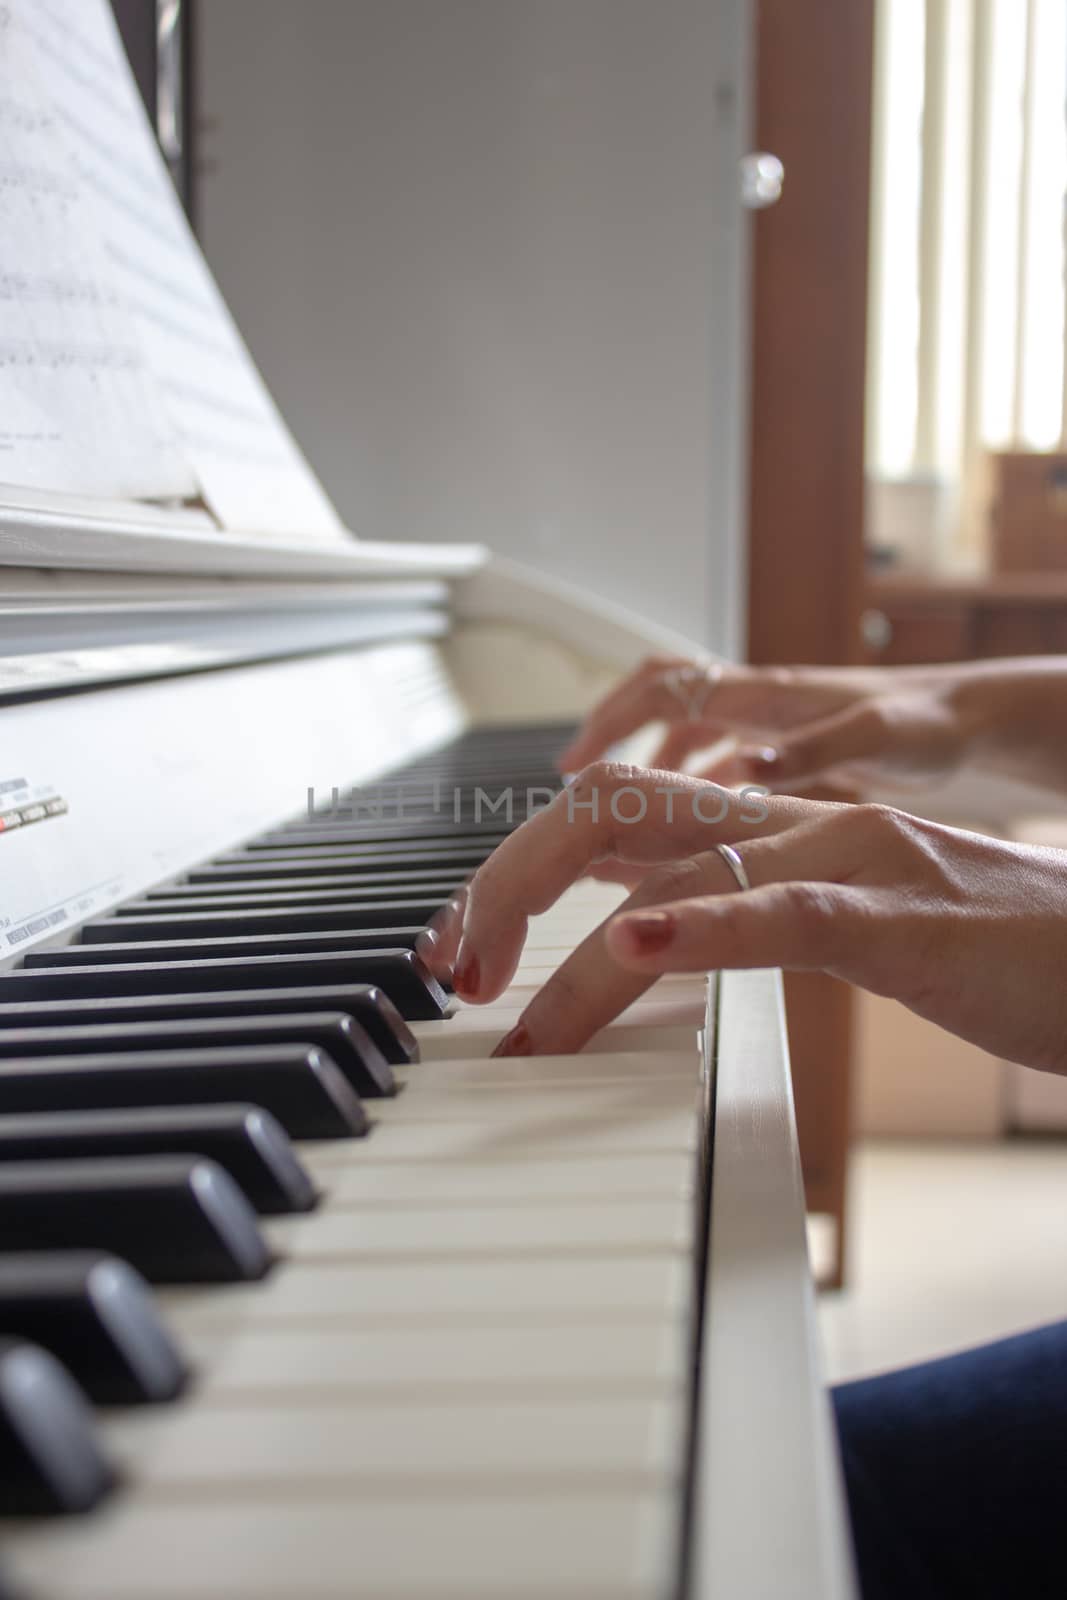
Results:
762 176
876 630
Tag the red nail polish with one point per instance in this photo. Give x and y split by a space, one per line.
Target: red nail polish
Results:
651 931
515 1043
764 758
467 974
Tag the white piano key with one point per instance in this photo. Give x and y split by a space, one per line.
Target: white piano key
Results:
536 965
472 1072
656 1039
473 1030
469 1376
477 1138
530 1081
576 1227
350 1175
477 1443
542 1108
562 1545
300 1293
443 1041
443 1133
646 1351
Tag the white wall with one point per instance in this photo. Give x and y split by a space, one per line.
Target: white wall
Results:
488 255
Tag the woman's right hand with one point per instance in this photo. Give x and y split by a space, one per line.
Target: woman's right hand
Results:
968 932
795 727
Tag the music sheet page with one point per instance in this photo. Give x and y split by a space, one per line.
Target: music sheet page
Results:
79 410
245 462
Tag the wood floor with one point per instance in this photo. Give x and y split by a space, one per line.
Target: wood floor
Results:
951 1244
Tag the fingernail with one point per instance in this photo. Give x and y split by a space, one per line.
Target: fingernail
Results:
651 930
763 756
442 920
515 1043
467 974
426 946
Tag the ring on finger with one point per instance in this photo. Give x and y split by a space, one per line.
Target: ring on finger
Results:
736 865
693 686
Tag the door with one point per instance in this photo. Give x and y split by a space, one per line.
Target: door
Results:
808 342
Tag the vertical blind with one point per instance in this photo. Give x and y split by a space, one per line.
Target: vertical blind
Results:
969 178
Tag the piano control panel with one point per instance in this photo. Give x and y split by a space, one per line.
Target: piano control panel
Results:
23 803
145 779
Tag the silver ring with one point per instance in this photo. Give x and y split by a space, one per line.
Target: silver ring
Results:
693 685
735 864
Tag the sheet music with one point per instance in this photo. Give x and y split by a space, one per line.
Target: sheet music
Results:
78 408
247 463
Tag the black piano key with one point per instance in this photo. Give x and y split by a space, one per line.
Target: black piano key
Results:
246 897
177 1219
312 864
421 822
337 1035
348 834
368 1005
247 1141
439 789
346 918
435 782
125 939
400 974
50 1458
426 881
344 839
96 1314
300 1086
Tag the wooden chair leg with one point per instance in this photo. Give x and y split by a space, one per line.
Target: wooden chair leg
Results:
819 1012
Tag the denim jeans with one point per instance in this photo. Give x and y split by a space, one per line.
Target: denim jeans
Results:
956 1473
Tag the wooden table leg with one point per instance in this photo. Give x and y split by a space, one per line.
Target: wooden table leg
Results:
819 1012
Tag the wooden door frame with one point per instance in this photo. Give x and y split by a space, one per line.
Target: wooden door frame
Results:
813 94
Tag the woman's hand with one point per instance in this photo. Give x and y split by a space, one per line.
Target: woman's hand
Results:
797 726
967 931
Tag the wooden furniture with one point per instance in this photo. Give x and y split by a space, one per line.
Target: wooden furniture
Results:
809 315
915 619
1028 510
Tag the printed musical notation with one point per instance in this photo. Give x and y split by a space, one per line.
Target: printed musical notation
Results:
114 338
80 409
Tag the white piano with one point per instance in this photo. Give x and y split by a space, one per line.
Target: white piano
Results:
550 1331
302 1293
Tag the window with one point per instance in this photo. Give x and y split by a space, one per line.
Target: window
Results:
966 345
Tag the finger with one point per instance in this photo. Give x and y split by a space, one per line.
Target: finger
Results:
802 926
705 707
858 734
438 944
755 701
617 872
611 812
743 770
679 743
772 698
731 769
643 697
592 986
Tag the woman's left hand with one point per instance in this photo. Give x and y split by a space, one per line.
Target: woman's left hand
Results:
967 931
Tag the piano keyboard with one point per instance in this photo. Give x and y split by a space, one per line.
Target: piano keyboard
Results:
424 1322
